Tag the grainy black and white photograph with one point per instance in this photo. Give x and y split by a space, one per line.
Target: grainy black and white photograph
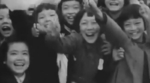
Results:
74 41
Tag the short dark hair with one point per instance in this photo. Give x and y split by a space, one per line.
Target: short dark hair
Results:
3 6
5 46
102 3
131 11
41 7
77 20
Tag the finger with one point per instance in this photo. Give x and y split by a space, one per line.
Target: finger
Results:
105 47
106 53
105 50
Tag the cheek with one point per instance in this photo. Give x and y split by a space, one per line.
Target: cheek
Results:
10 60
141 27
40 21
82 28
27 59
64 12
106 3
1 23
121 2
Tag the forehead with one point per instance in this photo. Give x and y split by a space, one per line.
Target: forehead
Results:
45 11
18 46
4 11
70 3
134 19
87 17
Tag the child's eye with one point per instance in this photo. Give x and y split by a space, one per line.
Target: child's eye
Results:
52 15
94 22
25 54
65 8
137 23
13 53
41 17
76 7
83 23
127 25
1 18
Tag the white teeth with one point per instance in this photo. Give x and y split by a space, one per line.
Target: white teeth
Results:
19 64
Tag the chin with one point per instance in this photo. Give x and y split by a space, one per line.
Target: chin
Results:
18 72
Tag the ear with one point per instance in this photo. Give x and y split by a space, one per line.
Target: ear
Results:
4 62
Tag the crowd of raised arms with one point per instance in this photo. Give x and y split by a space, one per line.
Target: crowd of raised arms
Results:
76 41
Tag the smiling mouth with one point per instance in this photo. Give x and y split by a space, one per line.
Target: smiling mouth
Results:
90 34
19 64
114 4
71 18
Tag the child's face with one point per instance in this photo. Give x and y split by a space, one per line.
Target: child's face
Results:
70 9
6 28
18 58
89 28
47 17
141 1
134 28
114 5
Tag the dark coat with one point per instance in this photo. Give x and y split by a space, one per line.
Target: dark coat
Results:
132 70
8 77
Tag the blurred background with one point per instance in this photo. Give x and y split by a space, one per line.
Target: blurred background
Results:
24 4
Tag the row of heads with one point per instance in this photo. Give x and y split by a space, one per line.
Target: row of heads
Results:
17 56
71 12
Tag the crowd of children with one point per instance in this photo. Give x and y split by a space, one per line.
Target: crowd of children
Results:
76 41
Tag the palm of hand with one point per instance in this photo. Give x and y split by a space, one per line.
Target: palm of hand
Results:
145 11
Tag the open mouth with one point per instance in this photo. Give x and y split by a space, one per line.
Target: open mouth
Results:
70 18
114 4
90 34
19 64
6 28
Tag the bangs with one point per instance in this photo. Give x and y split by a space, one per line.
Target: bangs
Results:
41 7
3 6
131 11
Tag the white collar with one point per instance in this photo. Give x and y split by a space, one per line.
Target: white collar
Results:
20 79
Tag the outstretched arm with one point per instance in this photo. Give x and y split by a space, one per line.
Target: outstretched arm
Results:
67 44
145 13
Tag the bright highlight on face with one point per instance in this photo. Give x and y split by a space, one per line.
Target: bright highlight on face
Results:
89 28
6 28
114 5
18 58
134 28
47 17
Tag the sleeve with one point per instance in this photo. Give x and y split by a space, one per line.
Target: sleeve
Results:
134 2
147 27
67 44
112 29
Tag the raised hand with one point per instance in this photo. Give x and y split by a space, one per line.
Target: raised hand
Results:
36 30
145 11
91 6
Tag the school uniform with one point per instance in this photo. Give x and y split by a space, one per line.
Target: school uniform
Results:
8 77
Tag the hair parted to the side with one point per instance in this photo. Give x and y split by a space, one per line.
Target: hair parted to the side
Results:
131 11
